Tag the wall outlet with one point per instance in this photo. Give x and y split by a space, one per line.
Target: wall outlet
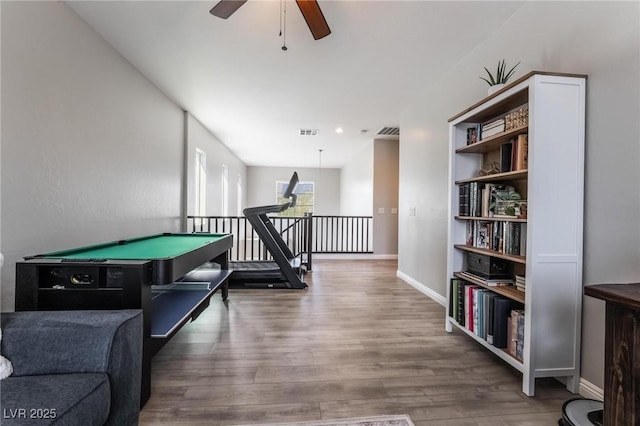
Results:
381 210
394 210
412 211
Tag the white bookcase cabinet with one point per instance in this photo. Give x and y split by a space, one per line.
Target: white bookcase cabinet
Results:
553 186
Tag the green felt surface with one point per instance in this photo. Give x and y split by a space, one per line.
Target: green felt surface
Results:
155 247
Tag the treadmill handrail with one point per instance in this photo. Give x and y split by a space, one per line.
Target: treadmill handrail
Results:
275 208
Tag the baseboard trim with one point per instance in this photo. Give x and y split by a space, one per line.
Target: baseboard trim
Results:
355 256
589 390
422 288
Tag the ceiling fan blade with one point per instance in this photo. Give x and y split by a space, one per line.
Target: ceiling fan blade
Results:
226 8
314 17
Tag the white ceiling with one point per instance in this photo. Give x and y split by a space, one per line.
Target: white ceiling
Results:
234 78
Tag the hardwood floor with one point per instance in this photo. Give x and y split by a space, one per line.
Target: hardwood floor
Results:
358 342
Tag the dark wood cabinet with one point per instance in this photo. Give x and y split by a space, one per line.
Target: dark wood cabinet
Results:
622 352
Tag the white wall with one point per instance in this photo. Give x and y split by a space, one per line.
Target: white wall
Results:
217 154
261 186
356 184
91 150
600 39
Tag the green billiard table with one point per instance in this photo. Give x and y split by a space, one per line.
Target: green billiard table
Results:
170 276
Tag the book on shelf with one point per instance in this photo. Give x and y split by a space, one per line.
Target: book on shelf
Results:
492 131
475 199
482 235
512 331
486 199
460 317
522 150
490 315
520 335
495 282
493 128
501 314
481 295
505 157
520 283
470 232
453 297
463 199
496 123
468 305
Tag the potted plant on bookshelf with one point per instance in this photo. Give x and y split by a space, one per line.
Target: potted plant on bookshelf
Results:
506 202
497 81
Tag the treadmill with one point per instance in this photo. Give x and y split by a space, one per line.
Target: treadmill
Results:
285 270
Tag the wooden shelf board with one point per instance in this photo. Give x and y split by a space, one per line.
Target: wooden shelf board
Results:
501 353
492 143
499 177
493 219
506 291
511 257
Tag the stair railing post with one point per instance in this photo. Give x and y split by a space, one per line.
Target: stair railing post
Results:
309 240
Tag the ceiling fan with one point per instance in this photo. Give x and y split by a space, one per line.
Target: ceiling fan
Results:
309 8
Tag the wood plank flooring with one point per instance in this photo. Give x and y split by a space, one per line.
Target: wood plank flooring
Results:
358 342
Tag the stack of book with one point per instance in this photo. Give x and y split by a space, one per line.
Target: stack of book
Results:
503 237
491 282
520 283
484 313
493 128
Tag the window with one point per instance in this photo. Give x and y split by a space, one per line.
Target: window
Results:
304 203
201 182
225 190
239 211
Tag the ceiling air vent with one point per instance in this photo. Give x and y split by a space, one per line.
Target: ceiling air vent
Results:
308 132
389 131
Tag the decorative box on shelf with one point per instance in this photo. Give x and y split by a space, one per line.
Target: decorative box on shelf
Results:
517 118
489 267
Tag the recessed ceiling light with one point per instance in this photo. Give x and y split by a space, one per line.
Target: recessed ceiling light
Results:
339 130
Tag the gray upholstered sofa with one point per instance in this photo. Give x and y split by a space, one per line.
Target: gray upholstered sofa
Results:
72 367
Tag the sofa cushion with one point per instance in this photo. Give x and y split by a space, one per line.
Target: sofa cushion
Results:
64 399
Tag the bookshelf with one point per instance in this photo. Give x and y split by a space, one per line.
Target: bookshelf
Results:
548 250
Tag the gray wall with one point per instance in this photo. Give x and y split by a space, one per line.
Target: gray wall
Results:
198 137
385 196
91 150
600 39
261 186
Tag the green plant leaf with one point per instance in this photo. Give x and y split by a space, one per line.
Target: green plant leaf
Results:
500 71
510 73
492 82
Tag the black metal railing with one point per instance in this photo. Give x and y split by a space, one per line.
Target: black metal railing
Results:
342 234
305 235
246 243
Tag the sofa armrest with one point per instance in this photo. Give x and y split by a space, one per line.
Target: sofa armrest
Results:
59 342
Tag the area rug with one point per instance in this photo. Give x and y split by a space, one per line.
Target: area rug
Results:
397 420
